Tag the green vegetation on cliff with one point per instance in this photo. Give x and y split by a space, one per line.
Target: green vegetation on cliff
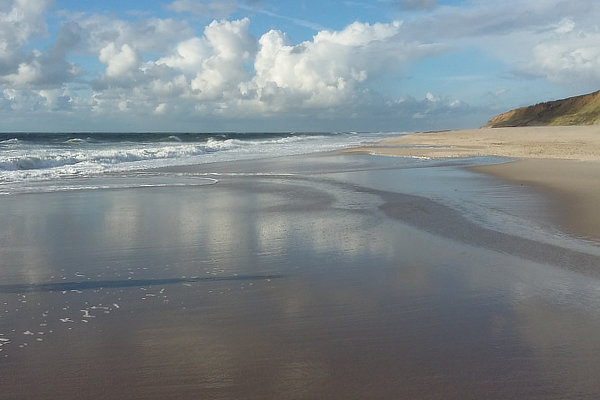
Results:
578 110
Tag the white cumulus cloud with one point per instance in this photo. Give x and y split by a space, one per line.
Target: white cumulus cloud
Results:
232 46
227 64
327 71
143 67
189 55
121 61
19 21
156 35
214 64
573 58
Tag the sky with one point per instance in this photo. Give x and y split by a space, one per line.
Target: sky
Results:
266 65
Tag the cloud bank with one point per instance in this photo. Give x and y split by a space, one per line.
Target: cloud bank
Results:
135 70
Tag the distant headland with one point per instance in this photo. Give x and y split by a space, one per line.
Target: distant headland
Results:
577 110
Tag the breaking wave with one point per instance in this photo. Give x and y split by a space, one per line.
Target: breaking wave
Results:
43 156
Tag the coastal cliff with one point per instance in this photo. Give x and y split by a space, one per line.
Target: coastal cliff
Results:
577 110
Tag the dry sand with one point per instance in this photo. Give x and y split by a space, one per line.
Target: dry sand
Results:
564 161
580 143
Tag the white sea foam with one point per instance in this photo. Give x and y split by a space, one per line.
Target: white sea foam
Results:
29 165
9 142
75 141
174 138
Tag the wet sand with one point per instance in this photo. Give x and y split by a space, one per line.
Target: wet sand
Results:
323 276
576 185
563 162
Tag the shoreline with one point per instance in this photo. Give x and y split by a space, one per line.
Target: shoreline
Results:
573 185
560 162
295 273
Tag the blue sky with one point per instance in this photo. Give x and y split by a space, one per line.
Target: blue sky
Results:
261 65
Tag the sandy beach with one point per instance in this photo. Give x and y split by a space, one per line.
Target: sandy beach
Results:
562 161
317 276
579 143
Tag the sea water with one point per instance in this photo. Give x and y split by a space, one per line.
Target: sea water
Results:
31 162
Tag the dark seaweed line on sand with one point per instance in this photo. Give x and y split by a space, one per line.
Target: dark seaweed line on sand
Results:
87 285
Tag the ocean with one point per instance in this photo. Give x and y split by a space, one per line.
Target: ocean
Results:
42 162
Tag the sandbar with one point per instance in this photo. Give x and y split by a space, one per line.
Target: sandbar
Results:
561 161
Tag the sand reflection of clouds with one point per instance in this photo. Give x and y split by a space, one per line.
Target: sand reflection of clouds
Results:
228 227
564 344
121 218
550 312
33 236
